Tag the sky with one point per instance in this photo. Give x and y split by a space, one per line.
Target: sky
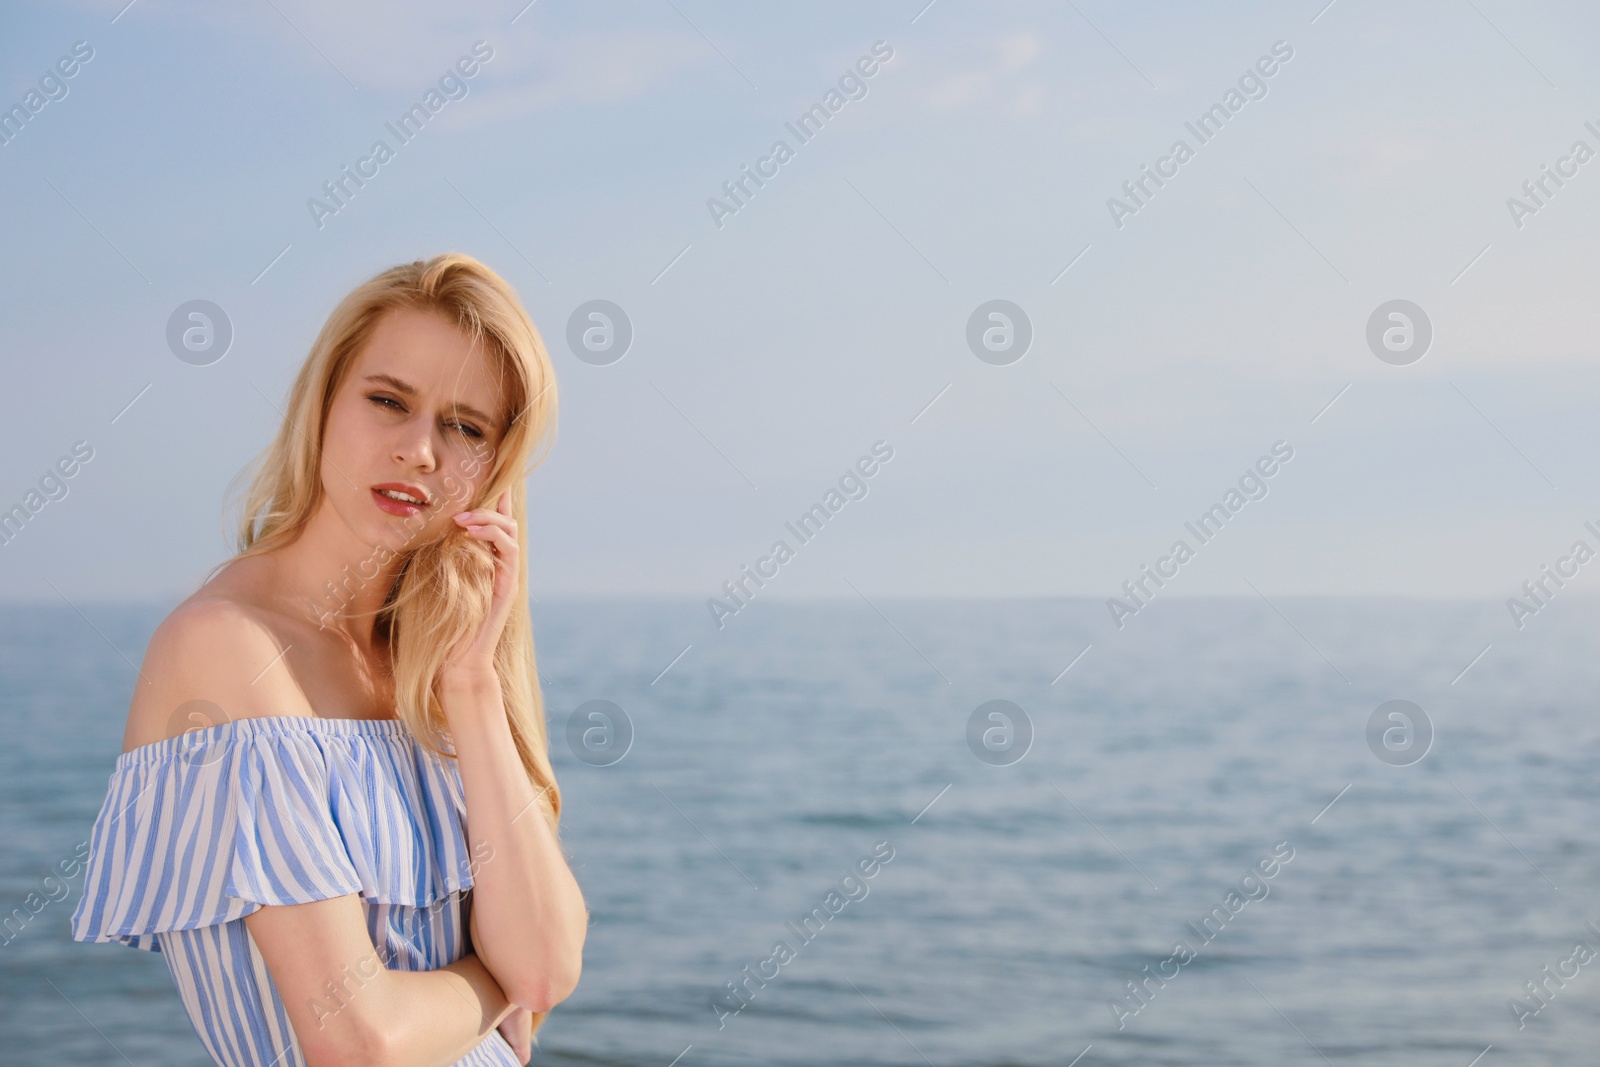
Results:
1179 333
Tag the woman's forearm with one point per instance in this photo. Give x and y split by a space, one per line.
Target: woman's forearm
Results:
525 898
434 1018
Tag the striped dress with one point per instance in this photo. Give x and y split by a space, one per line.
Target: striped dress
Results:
200 830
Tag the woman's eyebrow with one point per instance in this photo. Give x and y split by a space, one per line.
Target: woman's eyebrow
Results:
407 390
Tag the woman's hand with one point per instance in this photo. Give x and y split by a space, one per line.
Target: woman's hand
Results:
475 657
517 1029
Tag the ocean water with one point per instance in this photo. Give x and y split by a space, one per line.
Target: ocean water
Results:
1022 895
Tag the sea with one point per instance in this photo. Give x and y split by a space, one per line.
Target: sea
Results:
1230 831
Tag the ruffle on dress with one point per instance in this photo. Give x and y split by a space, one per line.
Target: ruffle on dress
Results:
207 827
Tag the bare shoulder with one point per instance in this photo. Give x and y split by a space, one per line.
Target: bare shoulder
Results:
215 658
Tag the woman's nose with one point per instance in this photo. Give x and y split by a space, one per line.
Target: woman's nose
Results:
416 448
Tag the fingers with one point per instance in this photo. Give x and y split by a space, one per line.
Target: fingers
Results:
517 1030
503 541
485 517
495 527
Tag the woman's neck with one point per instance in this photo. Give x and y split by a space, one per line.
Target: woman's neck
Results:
333 579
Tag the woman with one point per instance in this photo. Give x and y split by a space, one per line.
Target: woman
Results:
318 813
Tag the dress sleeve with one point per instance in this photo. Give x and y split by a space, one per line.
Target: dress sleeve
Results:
192 835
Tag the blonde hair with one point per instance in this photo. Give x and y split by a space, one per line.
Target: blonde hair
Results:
445 584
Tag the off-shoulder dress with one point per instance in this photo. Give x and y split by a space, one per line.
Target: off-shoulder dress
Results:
200 830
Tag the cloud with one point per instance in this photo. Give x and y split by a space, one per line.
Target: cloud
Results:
992 83
398 51
584 67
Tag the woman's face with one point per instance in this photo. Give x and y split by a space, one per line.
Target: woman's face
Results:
420 414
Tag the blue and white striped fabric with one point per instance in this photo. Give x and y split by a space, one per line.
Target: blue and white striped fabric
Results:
198 831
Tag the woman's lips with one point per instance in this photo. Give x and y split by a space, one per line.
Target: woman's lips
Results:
395 507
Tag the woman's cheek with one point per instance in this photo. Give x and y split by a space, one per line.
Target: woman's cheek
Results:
457 490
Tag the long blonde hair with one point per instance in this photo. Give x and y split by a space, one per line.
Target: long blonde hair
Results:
445 585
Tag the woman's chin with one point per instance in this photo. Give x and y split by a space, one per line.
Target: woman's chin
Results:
397 535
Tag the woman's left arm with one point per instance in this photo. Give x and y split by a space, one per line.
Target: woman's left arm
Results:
526 902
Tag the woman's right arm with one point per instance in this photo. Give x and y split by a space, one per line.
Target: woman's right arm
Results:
349 1010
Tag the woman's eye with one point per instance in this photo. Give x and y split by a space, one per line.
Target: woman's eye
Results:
391 402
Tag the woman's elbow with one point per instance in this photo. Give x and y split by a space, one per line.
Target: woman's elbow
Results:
541 992
542 988
354 1045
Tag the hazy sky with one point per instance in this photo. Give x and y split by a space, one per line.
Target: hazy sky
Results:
831 311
